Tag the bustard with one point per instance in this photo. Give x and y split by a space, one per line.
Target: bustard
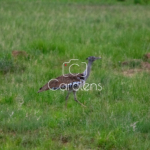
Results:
70 82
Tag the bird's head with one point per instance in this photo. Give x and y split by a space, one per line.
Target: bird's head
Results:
92 58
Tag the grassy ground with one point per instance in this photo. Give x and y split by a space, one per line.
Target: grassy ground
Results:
55 32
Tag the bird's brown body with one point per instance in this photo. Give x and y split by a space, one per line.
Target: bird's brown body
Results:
61 81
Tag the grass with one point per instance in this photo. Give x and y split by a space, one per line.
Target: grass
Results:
53 32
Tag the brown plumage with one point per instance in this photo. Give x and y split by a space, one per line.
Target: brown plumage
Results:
62 80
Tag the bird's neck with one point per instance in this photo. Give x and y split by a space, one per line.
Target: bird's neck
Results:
87 70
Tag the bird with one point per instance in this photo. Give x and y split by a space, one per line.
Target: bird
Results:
70 82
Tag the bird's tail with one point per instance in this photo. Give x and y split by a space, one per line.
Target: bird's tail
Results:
44 88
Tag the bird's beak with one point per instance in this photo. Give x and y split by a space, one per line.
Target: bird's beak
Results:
98 58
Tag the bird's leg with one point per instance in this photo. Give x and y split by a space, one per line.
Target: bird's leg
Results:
75 98
67 97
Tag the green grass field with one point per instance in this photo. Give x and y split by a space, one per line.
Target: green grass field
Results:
53 32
